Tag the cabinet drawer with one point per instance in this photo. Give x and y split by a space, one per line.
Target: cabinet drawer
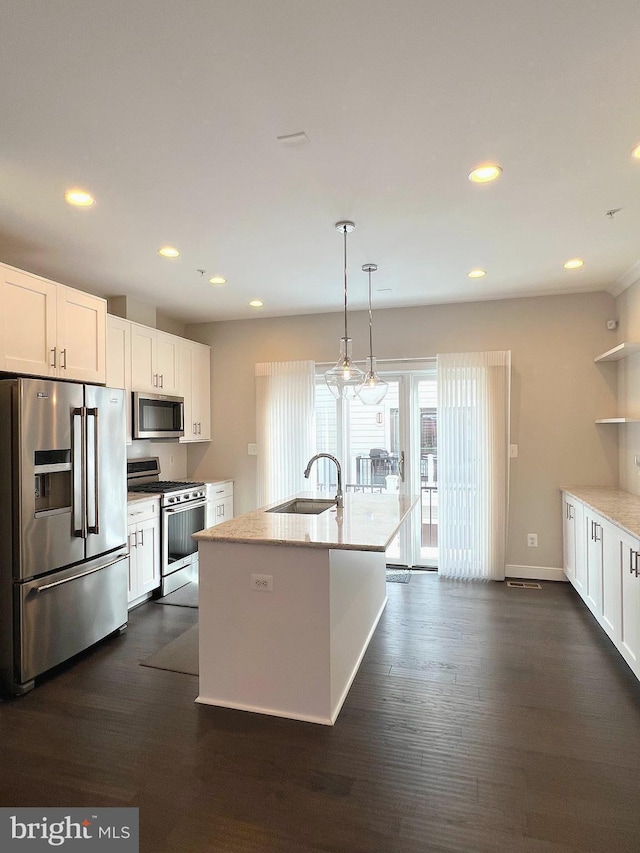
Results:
142 510
218 491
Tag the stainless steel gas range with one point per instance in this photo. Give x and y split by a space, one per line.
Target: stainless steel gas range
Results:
182 513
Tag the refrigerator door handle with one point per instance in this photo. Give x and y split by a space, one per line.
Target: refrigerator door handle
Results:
47 586
80 477
94 481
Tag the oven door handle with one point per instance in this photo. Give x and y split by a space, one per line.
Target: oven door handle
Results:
184 507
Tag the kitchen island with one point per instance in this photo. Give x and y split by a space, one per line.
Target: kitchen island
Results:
289 602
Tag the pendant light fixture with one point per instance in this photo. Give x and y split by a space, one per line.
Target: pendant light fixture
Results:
344 378
373 389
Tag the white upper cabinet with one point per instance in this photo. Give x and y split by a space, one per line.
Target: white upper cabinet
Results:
154 360
119 361
82 326
145 359
195 387
48 329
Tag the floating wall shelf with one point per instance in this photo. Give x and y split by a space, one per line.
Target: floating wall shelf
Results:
619 352
618 420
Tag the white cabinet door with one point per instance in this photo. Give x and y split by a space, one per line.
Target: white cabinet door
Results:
119 361
611 580
81 324
195 387
582 538
569 536
167 363
28 324
148 555
201 391
593 587
144 549
629 645
143 347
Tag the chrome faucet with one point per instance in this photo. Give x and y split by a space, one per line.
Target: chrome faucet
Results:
307 471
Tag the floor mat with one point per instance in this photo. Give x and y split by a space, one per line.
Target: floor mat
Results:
398 575
180 655
186 596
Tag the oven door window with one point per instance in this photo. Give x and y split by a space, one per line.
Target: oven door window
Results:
180 528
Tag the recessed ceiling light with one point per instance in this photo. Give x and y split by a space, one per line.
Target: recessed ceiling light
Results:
574 264
217 279
485 173
477 273
636 152
256 303
169 252
79 198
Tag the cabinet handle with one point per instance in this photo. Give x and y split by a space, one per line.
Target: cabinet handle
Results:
132 540
595 536
199 428
63 359
155 380
571 515
139 533
54 354
633 562
195 428
161 375
636 570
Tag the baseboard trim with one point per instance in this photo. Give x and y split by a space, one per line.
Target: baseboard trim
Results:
536 573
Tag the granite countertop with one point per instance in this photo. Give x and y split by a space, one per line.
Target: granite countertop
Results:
142 496
365 523
620 507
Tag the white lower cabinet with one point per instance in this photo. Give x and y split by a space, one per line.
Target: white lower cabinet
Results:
602 561
219 505
629 642
143 519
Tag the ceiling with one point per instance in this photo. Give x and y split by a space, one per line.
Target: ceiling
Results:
169 113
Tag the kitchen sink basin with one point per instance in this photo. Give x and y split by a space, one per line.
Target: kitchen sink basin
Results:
304 506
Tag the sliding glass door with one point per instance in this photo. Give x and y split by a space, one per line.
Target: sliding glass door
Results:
390 447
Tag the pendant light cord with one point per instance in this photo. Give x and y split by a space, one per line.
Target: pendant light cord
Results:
370 328
344 231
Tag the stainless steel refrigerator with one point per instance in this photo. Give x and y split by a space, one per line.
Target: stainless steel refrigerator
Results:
63 523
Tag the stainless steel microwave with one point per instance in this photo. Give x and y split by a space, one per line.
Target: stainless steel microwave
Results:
157 415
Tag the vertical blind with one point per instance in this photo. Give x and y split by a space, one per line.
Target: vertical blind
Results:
473 463
285 427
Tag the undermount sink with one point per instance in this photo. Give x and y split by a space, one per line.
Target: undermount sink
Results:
304 506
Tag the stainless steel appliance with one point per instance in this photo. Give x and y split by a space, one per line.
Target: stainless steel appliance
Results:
63 503
157 416
182 513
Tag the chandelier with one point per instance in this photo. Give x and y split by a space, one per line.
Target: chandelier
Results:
373 389
344 378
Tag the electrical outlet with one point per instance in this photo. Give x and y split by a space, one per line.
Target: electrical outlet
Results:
532 540
252 449
262 583
513 451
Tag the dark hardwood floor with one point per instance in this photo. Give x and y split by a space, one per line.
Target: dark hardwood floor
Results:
483 718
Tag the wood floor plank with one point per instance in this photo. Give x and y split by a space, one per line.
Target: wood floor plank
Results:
483 720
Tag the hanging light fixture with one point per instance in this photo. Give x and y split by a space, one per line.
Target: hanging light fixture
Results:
344 378
373 389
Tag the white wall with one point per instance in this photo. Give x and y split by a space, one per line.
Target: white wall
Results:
628 373
557 392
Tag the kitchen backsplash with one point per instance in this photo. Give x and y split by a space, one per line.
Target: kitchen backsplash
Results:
172 456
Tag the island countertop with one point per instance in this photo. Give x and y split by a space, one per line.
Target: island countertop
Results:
365 523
